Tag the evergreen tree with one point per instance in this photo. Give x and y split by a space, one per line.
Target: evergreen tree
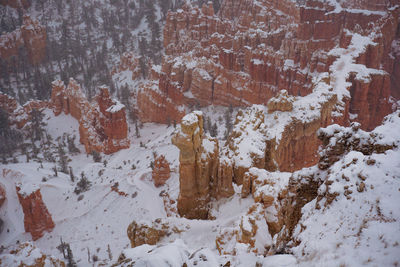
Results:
62 158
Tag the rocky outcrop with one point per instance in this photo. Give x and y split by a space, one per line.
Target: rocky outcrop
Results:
161 171
102 125
140 234
350 139
315 183
251 232
297 145
28 255
198 167
155 105
37 218
31 35
281 102
268 189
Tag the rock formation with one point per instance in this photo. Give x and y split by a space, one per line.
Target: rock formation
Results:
161 171
285 194
102 125
268 189
250 231
27 254
349 139
30 35
20 115
37 218
128 62
140 234
248 52
2 195
198 167
281 102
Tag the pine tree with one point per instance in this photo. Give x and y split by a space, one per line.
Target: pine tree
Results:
137 130
62 159
71 174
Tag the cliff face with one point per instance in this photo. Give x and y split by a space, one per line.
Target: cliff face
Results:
102 125
31 35
198 167
37 218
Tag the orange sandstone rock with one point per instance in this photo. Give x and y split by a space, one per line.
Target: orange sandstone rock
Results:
102 125
2 195
198 168
31 35
20 115
37 218
161 171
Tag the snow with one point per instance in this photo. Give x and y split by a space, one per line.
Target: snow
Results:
208 145
355 232
27 189
360 227
190 119
204 74
117 106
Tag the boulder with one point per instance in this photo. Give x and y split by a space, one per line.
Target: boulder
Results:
142 233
